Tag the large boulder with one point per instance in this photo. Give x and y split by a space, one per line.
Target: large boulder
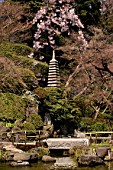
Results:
89 160
30 157
102 151
3 133
47 158
10 147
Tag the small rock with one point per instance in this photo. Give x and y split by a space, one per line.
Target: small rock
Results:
19 161
59 166
64 166
109 157
15 164
47 158
10 156
64 163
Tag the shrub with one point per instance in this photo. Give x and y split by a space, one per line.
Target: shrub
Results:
41 92
43 151
14 48
10 78
28 77
12 107
99 126
88 125
36 120
28 126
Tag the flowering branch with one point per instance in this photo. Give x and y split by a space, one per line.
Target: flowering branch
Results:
56 18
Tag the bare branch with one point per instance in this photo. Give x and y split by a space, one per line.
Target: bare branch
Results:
70 78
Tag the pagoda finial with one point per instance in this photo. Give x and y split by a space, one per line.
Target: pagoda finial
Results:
53 57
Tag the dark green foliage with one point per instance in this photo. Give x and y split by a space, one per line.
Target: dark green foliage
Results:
41 68
41 92
59 40
42 151
12 107
15 49
99 126
14 79
34 5
89 11
28 77
65 113
18 53
53 94
62 111
107 24
83 104
72 114
12 85
10 79
36 120
4 155
25 71
28 126
31 5
87 124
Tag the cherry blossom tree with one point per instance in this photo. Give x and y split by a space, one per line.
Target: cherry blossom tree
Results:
57 17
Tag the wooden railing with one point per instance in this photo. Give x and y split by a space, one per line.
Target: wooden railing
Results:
21 136
100 136
31 136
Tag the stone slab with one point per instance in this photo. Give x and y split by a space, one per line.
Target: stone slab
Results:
65 143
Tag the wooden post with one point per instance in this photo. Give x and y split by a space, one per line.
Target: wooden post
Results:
12 137
111 136
25 137
96 137
39 137
90 139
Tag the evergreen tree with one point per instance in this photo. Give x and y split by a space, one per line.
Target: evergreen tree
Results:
88 11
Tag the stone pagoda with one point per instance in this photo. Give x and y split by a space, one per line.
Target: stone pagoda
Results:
53 75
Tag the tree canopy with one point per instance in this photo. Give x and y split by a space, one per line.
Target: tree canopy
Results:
89 11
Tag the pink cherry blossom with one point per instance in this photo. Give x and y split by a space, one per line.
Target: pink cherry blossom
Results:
55 18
